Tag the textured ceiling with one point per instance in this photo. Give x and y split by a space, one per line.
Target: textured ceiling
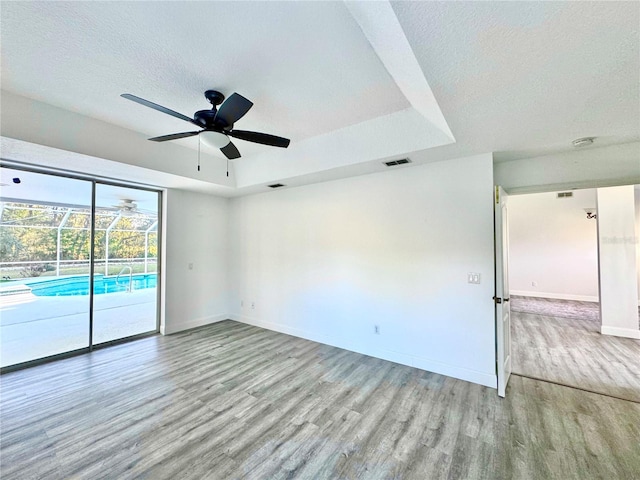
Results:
348 83
306 66
524 78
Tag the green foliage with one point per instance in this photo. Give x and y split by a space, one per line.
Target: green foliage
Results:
27 244
9 245
20 243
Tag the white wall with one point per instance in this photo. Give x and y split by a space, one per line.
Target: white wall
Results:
195 229
617 260
329 261
554 245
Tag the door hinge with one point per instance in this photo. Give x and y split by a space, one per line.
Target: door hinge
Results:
497 195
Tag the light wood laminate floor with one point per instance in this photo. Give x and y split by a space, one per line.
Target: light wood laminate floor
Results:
236 401
572 351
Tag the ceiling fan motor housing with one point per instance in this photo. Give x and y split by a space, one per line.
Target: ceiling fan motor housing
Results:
207 118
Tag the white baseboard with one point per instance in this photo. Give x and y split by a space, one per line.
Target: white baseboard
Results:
555 296
620 332
422 363
196 322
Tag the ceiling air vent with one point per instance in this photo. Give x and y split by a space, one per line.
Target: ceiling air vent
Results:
393 163
564 194
276 185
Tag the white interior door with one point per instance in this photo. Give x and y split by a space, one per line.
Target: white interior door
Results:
503 311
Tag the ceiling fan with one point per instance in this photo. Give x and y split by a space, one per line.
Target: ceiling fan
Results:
217 123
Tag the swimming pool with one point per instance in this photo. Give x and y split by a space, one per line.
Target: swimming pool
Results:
79 285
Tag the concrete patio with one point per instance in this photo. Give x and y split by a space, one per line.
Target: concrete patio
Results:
33 327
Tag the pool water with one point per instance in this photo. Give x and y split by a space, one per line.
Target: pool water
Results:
69 286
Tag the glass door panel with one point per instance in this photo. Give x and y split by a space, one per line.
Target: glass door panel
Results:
126 258
45 231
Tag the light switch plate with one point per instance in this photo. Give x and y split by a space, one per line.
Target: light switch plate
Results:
473 277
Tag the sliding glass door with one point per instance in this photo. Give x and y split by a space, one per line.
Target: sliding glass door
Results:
44 263
125 271
74 272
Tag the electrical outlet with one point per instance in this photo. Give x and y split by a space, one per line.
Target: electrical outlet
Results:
376 329
534 284
253 305
191 266
241 303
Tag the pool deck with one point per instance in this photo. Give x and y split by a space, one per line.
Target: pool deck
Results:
34 327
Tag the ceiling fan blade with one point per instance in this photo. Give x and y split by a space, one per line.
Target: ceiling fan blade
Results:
157 107
258 137
230 151
173 136
233 109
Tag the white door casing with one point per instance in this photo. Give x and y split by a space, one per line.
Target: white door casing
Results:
501 298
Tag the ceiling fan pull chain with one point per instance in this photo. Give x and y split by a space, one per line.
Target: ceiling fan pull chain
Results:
227 167
198 152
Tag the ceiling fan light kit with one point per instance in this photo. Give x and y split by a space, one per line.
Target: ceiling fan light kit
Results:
216 123
214 139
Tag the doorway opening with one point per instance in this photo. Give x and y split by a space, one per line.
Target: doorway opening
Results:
558 333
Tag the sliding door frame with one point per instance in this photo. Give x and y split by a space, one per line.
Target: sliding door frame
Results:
94 182
92 263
